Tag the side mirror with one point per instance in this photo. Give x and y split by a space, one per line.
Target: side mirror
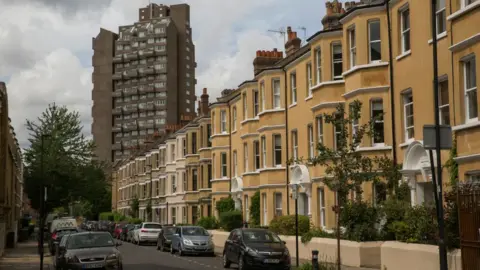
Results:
117 244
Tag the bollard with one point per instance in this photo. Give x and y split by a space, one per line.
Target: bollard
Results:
315 265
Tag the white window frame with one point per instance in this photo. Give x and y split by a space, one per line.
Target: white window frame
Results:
262 96
373 101
353 46
256 103
466 3
340 76
212 125
173 180
441 105
355 125
265 209
318 65
335 132
264 152
223 121
245 157
278 209
276 94
405 105
293 88
470 61
223 165
234 119
235 163
322 207
247 210
441 14
256 155
214 174
277 148
311 142
309 79
319 120
405 31
295 144
245 106
370 41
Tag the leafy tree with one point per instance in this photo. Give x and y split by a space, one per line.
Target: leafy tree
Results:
346 168
134 207
60 157
255 209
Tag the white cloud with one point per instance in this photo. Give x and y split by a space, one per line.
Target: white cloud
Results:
43 44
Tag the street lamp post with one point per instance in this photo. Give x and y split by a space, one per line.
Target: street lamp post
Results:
42 201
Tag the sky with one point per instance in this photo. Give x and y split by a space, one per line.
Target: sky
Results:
46 46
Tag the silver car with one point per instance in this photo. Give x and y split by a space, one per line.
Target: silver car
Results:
192 240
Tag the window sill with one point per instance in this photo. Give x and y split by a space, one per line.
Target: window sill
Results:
360 67
374 148
271 169
292 105
459 13
249 120
439 37
319 85
219 180
271 111
471 124
403 55
407 143
250 173
309 97
219 135
233 132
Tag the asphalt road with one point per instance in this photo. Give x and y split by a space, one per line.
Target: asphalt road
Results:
149 258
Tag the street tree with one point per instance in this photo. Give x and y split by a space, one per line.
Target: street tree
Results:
60 158
346 168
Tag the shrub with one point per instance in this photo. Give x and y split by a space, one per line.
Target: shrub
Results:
106 216
419 225
135 221
255 209
359 220
225 205
209 223
316 232
452 226
231 220
392 211
285 225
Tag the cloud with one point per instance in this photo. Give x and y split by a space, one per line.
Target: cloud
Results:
45 45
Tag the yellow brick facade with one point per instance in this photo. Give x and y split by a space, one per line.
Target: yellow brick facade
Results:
277 114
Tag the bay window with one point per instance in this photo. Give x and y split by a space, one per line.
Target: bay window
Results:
337 61
470 85
374 41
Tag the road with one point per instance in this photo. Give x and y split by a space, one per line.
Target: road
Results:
149 258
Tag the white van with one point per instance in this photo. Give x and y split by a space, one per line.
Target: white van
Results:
63 223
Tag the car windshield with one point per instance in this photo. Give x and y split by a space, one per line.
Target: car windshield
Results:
152 226
90 240
169 230
194 231
260 236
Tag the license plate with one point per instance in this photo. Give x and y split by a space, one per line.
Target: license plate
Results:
271 261
92 265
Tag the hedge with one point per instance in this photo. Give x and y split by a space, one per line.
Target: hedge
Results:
285 225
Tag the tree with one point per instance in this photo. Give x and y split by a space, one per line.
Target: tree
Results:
134 206
69 173
346 168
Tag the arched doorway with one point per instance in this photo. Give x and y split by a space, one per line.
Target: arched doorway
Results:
416 171
301 176
237 191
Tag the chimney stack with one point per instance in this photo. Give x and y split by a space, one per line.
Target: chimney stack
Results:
203 107
265 59
332 18
293 43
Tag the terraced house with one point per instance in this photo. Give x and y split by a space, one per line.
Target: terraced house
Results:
277 115
172 175
11 176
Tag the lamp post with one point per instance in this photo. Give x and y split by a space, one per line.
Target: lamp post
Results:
43 198
295 197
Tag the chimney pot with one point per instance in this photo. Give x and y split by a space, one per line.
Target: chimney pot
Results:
275 49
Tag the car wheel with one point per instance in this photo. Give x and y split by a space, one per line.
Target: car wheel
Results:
180 252
240 263
226 262
158 246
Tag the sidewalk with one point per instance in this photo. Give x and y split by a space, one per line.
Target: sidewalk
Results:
25 257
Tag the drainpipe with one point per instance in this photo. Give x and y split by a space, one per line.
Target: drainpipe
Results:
392 88
287 169
453 70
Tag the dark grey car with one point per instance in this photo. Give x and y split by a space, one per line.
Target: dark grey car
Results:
89 250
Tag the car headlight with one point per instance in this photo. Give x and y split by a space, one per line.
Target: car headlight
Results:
187 242
112 257
251 252
72 259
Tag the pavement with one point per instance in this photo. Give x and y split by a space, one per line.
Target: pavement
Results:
24 257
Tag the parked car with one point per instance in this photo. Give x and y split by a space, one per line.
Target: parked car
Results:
164 240
58 248
124 231
90 250
192 240
255 248
148 232
117 230
56 237
131 231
